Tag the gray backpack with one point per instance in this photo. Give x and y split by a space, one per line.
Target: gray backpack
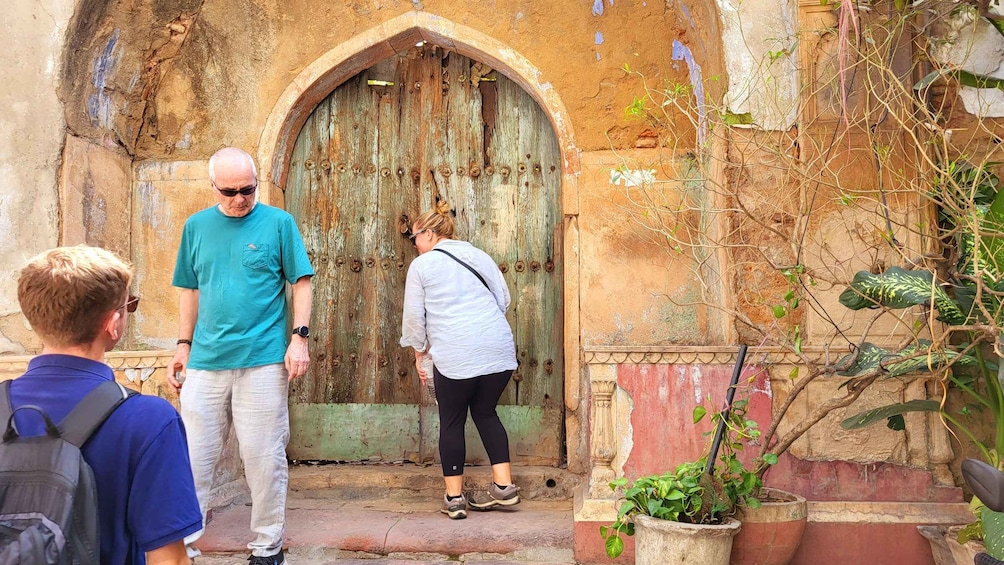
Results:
48 498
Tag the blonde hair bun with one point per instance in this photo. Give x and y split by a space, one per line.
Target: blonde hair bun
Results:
443 208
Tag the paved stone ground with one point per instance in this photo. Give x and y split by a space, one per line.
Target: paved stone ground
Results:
350 558
345 524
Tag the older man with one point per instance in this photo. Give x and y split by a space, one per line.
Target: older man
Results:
235 356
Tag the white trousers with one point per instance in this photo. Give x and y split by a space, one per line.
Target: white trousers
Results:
253 401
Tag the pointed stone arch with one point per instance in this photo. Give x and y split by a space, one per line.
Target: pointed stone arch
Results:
397 36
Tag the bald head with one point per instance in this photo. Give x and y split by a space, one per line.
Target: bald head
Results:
234 179
230 160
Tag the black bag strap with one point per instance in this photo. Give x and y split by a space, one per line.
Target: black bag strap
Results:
92 411
466 266
6 408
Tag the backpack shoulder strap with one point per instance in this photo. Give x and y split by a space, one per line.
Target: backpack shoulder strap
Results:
92 411
466 266
6 409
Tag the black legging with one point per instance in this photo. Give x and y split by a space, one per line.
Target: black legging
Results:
480 395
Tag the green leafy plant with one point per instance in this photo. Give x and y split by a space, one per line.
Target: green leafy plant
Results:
688 493
773 223
963 289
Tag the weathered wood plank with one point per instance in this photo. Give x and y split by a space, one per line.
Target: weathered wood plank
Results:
355 432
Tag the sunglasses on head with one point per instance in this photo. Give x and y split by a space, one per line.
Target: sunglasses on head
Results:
231 192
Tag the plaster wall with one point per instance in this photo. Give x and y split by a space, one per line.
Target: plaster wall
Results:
635 288
31 138
215 83
973 44
754 33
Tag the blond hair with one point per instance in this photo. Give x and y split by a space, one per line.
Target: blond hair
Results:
67 292
439 219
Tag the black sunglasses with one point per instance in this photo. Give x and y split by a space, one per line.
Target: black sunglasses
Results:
131 304
412 236
231 192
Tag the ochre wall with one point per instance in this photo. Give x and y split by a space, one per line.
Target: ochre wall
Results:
172 81
31 138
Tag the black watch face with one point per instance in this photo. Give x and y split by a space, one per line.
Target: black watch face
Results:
302 331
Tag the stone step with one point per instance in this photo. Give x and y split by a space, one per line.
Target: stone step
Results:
327 527
373 481
389 513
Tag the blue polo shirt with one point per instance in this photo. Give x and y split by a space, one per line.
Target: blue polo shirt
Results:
146 494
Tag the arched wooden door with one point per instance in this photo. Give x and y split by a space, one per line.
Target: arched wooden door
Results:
383 147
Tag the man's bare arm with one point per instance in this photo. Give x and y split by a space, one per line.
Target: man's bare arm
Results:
297 354
170 554
188 313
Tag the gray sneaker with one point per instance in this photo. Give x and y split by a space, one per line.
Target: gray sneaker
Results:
456 509
494 496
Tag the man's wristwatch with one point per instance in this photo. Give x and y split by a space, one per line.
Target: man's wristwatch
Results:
302 331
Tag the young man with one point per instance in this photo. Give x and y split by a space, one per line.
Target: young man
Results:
235 351
77 301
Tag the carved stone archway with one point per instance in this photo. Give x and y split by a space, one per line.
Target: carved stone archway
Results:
397 36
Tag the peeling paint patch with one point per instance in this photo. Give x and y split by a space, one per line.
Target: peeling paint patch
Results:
139 375
682 52
695 380
632 177
599 38
624 407
99 105
153 213
690 18
597 7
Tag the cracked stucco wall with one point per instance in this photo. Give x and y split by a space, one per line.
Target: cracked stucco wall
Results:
31 138
972 44
753 30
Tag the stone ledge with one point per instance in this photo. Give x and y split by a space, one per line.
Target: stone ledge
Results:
890 512
702 354
119 360
605 510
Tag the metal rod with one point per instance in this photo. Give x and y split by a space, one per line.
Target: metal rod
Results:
729 394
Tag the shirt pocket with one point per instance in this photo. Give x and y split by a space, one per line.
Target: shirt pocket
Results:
255 256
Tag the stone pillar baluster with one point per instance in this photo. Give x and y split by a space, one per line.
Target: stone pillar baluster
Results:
602 381
941 443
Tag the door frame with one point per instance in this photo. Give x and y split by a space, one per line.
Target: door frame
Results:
396 36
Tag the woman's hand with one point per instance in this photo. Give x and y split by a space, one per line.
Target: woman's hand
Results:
419 358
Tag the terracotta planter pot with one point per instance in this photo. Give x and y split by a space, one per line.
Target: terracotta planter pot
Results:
771 534
662 542
963 554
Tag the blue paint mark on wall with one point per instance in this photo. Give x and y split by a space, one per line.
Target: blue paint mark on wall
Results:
597 7
99 105
599 38
690 18
682 52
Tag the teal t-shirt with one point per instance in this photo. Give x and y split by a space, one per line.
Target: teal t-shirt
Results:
240 267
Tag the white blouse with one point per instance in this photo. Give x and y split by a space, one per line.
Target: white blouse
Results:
448 309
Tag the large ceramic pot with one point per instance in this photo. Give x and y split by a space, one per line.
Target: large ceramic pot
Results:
771 533
662 542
